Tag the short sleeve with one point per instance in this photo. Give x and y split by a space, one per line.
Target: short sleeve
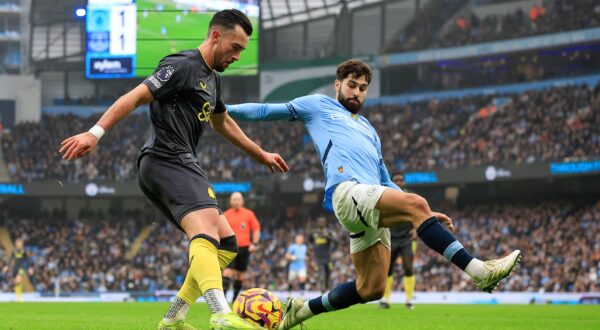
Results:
254 224
168 78
219 106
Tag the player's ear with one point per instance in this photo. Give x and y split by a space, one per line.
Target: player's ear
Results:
337 84
215 35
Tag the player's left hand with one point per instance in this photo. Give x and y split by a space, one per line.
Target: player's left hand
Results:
445 220
273 162
251 248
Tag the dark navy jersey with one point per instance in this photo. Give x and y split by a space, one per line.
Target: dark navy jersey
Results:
321 238
186 93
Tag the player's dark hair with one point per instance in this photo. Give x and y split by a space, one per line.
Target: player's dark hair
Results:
356 68
397 173
229 18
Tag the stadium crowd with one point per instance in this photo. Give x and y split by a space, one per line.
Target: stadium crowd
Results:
550 17
523 128
115 158
559 239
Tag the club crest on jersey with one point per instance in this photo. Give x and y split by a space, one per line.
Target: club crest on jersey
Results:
340 169
165 73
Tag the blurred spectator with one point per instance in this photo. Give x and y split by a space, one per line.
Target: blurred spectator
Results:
553 16
534 126
559 240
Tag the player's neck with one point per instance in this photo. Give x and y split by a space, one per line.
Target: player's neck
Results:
206 53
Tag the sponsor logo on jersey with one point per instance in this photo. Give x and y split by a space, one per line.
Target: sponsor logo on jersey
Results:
205 112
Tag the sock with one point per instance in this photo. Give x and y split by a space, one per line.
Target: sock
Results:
237 287
436 237
388 289
177 311
226 283
204 267
216 301
475 269
189 292
409 287
342 296
302 287
228 250
19 292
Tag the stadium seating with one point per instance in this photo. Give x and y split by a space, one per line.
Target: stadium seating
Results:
451 133
88 254
553 17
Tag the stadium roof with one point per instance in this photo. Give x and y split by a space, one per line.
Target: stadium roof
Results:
275 13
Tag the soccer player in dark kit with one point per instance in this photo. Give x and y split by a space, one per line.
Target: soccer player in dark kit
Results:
185 95
403 238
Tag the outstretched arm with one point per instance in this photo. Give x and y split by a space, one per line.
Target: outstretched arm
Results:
262 111
229 129
81 144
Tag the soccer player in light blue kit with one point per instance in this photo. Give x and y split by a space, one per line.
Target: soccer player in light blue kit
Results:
296 254
365 201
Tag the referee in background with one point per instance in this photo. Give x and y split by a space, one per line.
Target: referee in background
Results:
247 231
404 245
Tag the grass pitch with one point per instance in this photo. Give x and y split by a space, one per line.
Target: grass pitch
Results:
147 315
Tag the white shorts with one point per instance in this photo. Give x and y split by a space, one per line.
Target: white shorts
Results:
294 274
354 206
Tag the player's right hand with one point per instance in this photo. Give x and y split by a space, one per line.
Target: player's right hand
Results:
78 145
273 162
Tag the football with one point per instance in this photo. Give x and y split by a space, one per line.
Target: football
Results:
259 306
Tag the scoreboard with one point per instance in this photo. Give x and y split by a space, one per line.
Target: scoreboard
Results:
111 38
127 38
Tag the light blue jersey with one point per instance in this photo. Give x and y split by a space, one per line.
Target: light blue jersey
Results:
347 144
299 252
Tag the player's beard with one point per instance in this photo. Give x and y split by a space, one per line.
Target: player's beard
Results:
353 107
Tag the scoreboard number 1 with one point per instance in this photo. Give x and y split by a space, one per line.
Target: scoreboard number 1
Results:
123 30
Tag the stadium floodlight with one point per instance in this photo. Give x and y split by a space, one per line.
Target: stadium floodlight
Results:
80 12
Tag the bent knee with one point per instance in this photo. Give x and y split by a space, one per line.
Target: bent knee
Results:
372 291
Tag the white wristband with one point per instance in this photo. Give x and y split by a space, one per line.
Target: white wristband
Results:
98 131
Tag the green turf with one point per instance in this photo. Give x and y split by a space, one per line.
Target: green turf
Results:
187 33
147 315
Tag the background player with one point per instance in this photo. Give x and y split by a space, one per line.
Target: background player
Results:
403 237
321 238
296 254
247 232
185 95
19 259
365 200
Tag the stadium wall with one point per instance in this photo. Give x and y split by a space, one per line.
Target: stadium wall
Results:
25 90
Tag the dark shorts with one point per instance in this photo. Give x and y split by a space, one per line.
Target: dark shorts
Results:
240 263
177 187
401 247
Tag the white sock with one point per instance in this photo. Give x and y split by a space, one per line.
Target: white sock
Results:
304 313
177 311
216 301
475 269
